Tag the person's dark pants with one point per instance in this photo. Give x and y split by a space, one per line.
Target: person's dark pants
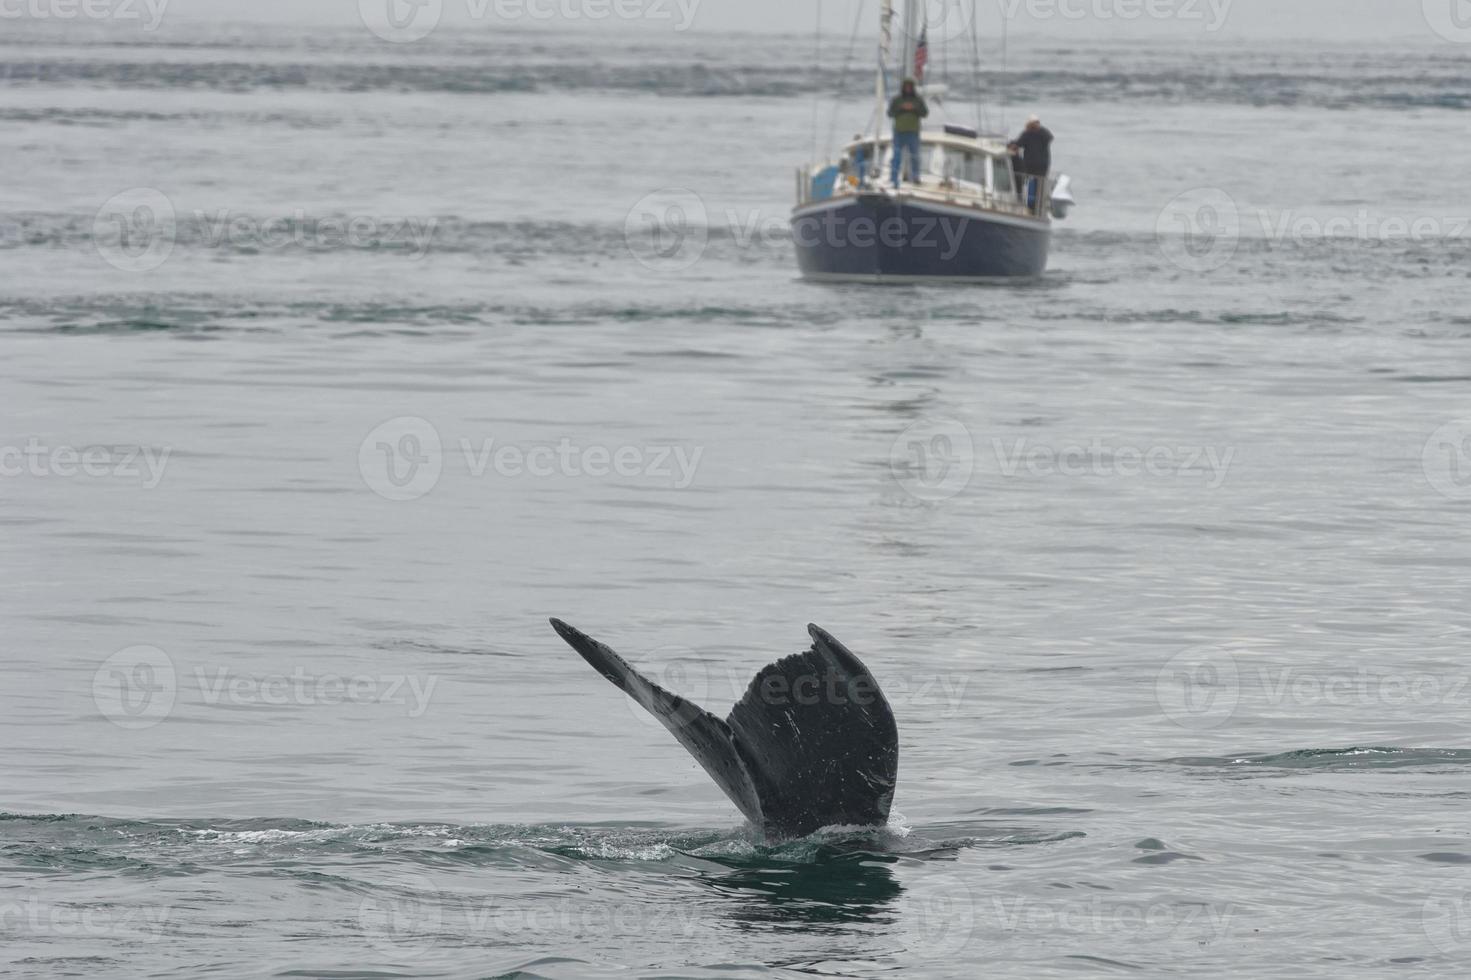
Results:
905 144
1033 185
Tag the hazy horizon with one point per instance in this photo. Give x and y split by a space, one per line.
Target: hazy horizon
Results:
1063 20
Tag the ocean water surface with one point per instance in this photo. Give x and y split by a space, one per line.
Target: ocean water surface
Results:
331 369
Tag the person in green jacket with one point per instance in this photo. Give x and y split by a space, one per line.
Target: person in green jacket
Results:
907 109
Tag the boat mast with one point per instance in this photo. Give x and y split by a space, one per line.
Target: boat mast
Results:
913 11
886 41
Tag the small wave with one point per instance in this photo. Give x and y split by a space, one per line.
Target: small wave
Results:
83 841
1354 758
442 649
1158 852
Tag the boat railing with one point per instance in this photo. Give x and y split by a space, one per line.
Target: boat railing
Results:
1030 195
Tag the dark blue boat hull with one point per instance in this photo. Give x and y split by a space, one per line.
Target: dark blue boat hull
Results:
878 237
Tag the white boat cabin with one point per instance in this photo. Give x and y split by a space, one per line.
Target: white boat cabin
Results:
955 168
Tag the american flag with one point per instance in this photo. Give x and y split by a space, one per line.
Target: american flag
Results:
921 54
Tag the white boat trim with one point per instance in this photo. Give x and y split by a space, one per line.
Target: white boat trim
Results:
879 279
952 210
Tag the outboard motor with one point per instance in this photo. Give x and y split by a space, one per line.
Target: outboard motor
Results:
1062 196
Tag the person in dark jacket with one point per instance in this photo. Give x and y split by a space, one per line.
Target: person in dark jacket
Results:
1033 153
907 109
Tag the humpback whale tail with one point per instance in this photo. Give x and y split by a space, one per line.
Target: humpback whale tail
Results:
811 744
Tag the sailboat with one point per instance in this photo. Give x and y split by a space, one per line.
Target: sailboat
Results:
967 216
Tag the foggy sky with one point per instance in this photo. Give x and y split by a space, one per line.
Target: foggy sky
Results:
1203 20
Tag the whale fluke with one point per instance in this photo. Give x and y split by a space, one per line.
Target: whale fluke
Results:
811 744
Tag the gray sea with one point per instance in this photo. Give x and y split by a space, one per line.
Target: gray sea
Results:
331 368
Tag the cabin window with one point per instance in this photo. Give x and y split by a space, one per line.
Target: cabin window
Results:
932 160
1001 176
971 168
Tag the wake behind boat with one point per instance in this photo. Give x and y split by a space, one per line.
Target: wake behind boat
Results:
965 214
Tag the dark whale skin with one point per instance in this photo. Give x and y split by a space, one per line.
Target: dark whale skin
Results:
811 744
